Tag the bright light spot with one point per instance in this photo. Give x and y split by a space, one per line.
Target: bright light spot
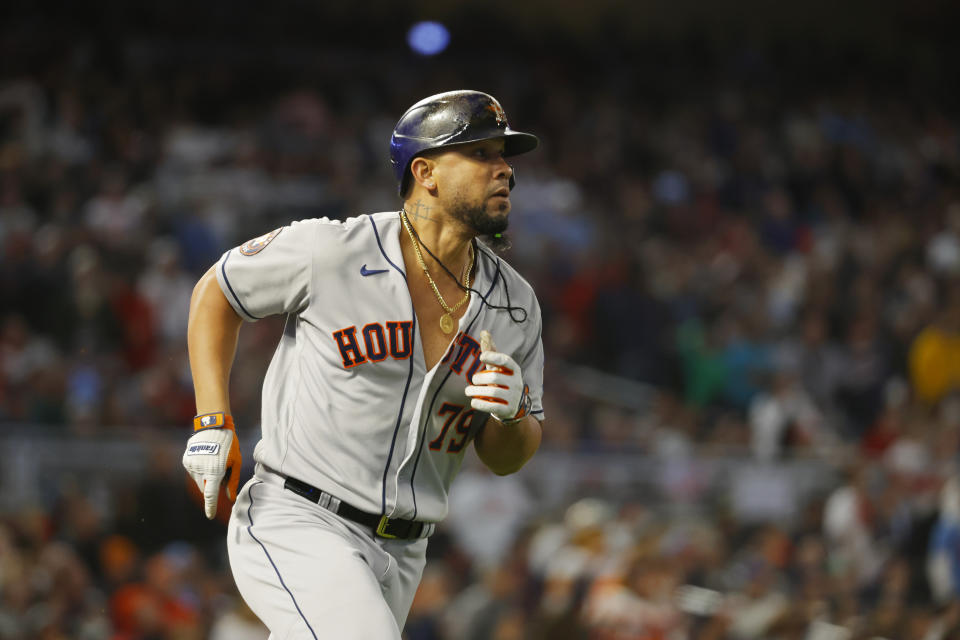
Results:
428 38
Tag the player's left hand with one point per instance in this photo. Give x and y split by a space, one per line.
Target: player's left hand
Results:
498 389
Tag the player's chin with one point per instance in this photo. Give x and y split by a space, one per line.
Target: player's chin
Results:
499 205
490 221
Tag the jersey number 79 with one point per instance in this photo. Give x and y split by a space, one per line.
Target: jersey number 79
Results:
463 419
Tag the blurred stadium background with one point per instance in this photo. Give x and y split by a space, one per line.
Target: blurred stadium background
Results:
743 226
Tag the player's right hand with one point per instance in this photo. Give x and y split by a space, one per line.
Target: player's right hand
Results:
213 452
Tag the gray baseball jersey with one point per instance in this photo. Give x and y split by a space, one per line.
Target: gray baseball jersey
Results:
348 405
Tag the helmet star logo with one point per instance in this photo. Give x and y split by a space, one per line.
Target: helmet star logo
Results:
498 112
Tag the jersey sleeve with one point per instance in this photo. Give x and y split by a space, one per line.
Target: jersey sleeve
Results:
270 274
532 364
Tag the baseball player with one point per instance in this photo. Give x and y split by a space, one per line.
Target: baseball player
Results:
406 340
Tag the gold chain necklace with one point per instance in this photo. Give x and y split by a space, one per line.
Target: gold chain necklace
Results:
446 320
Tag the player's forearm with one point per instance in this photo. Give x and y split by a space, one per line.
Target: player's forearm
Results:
506 448
212 343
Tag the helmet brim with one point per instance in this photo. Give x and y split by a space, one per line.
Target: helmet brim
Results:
514 143
517 142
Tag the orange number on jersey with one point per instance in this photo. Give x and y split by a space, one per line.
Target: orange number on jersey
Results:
462 428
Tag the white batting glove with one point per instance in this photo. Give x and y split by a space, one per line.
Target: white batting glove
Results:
498 389
211 452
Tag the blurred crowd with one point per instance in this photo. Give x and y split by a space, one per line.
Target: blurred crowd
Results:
125 561
781 267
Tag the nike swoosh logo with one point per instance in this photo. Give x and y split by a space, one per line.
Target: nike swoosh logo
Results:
370 272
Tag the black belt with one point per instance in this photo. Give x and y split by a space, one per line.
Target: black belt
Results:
382 526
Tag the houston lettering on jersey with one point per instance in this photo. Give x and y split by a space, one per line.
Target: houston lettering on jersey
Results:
464 346
373 343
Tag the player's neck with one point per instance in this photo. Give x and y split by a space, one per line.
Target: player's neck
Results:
448 240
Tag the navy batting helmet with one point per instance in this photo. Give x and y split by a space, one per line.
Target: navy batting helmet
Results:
450 118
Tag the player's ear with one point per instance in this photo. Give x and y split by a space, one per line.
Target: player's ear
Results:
422 170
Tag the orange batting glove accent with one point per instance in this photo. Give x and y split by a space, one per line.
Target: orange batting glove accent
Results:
498 389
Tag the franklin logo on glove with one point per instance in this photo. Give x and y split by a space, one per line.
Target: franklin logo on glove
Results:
213 457
204 449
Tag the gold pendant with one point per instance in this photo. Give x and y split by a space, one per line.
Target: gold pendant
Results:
446 323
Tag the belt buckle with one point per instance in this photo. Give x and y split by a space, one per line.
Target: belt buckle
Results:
382 528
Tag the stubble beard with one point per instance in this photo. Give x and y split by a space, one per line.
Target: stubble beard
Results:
490 228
